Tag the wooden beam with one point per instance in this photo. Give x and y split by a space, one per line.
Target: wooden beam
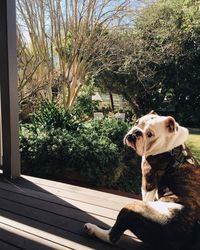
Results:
9 95
1 149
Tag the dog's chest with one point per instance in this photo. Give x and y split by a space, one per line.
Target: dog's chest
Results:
181 182
152 179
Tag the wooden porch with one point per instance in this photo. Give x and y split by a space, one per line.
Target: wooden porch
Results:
36 213
42 214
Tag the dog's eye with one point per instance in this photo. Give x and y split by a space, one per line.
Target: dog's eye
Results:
149 134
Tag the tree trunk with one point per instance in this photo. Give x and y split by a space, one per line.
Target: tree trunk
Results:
112 102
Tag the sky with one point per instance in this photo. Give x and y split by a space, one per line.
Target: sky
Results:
132 3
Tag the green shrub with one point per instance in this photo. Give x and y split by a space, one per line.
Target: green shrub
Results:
57 143
96 157
112 128
84 106
49 115
54 151
130 178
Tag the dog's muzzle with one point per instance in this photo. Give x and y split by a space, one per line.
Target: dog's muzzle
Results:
132 138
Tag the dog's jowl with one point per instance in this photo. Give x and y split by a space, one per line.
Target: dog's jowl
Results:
168 215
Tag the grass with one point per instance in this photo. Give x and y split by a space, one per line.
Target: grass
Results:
194 144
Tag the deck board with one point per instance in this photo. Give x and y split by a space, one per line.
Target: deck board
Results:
43 214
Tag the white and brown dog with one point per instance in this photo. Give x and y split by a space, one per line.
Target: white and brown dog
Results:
168 216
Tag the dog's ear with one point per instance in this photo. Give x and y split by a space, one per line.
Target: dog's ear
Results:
170 124
152 112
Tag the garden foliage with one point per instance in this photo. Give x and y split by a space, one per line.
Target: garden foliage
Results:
57 142
161 70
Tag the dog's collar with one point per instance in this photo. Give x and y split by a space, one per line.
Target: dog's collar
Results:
179 154
171 159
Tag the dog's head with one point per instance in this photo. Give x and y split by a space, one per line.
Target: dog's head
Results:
153 134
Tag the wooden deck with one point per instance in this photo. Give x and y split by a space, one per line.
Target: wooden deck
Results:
42 214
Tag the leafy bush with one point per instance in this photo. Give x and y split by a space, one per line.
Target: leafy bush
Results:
53 152
49 115
112 128
84 107
56 143
127 174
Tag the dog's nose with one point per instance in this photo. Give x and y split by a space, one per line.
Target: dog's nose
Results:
131 138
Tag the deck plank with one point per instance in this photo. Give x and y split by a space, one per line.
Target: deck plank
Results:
51 215
6 246
59 202
80 192
105 217
22 239
75 189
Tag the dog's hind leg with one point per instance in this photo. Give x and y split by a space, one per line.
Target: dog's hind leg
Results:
127 216
130 217
100 233
113 234
134 217
121 225
146 220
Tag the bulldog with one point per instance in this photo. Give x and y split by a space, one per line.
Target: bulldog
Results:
168 215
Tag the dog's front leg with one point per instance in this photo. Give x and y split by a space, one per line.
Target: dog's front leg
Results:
149 195
149 187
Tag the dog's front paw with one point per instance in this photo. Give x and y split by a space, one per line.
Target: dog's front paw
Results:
89 228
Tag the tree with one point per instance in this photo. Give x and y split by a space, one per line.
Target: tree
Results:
162 63
133 78
173 29
72 37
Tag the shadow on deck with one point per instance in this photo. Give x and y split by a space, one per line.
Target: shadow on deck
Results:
42 214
